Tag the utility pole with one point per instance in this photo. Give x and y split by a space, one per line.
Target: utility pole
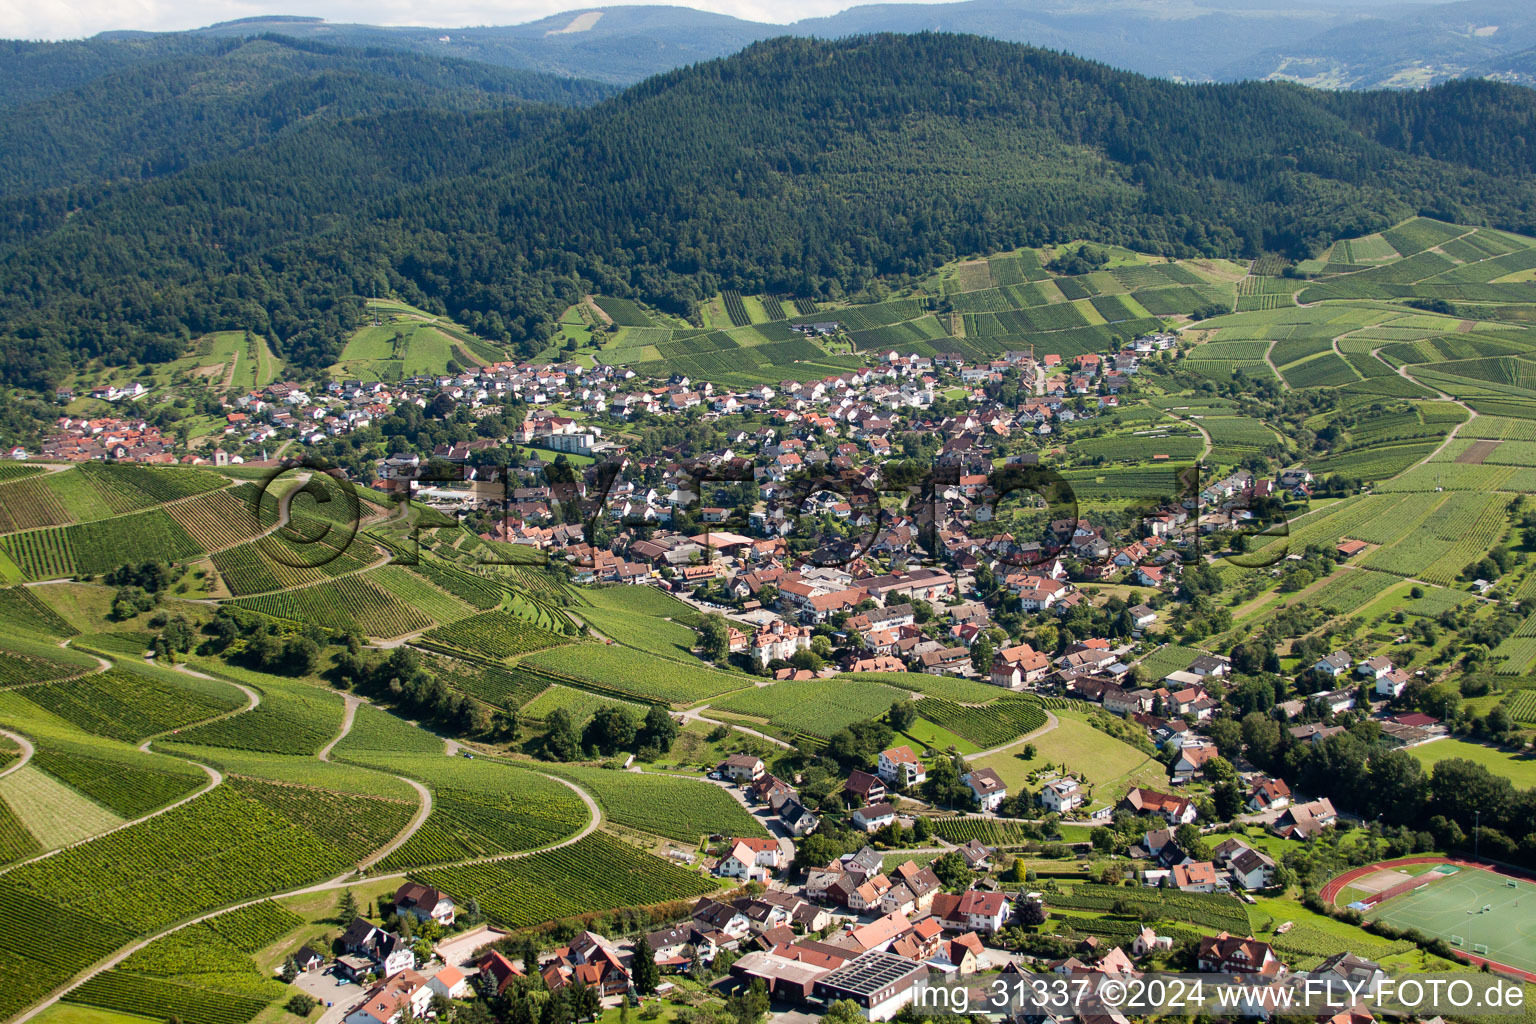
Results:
1477 831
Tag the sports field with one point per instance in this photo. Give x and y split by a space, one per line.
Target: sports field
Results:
1451 906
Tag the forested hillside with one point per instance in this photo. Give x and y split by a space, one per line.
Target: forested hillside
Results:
153 118
795 166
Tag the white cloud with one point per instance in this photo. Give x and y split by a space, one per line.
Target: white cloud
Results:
73 19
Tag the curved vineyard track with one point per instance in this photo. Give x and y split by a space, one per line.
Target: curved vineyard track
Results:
27 750
349 878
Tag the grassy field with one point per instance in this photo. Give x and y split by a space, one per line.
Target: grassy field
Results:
1109 765
1517 768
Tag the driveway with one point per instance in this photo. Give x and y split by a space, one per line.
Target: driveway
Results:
457 949
324 987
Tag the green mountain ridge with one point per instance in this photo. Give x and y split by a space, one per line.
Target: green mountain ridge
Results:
795 166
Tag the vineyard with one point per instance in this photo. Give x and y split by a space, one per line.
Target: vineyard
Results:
505 687
1522 706
480 591
579 704
30 504
1204 910
90 548
987 726
962 691
1350 589
219 519
418 593
202 974
20 608
128 787
814 707
626 673
623 312
492 635
1451 537
350 602
376 732
346 821
292 718
677 808
597 873
128 706
17 668
73 908
988 831
643 618
481 808
127 487
16 843
278 562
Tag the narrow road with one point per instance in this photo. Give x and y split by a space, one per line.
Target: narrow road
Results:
346 726
417 820
102 662
1402 371
697 714
1204 434
27 750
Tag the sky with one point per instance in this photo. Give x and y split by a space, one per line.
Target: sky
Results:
74 19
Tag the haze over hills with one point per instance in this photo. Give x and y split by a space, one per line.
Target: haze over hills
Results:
795 166
1333 43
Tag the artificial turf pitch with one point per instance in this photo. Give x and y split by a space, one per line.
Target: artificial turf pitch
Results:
1507 929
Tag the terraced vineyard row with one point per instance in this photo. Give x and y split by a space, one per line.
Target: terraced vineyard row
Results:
598 873
480 808
678 808
814 707
127 706
97 547
988 726
21 608
292 718
350 602
219 519
126 787
627 673
988 831
494 635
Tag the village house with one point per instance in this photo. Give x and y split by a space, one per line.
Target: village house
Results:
404 995
901 768
1175 810
987 786
424 902
1227 954
1062 795
741 767
1018 667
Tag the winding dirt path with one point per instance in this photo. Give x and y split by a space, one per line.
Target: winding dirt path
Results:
350 878
215 777
412 827
346 725
697 715
27 750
